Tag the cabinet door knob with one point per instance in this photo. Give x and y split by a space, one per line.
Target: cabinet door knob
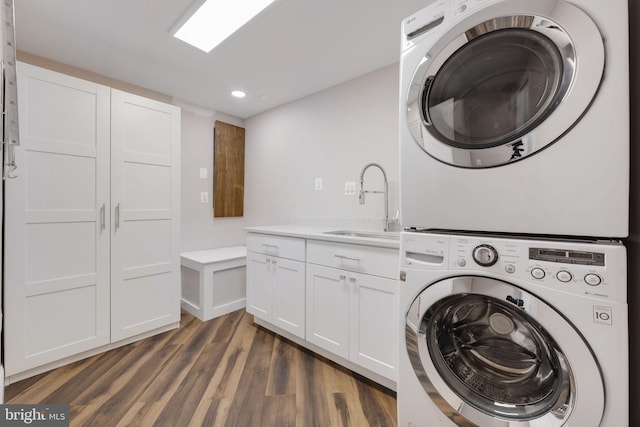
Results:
343 277
352 279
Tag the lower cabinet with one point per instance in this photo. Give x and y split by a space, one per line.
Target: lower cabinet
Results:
355 316
275 281
328 309
259 286
340 299
275 291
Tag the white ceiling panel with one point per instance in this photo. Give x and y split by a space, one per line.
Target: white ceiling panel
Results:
292 49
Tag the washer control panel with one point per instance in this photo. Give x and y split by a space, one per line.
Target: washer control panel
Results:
596 269
547 264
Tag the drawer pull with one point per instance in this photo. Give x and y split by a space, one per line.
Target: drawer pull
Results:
267 245
347 257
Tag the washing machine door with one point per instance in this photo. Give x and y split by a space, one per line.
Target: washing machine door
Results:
489 353
493 91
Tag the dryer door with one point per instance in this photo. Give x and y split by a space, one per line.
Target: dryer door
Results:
489 353
492 92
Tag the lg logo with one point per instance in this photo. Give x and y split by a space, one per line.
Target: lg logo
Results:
602 315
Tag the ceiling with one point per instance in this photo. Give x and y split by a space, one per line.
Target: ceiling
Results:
292 49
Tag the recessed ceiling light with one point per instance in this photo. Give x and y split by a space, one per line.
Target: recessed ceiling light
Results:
238 94
215 20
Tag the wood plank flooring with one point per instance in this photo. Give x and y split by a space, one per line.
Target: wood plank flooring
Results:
224 372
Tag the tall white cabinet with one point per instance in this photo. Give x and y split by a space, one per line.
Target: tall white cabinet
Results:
92 241
145 239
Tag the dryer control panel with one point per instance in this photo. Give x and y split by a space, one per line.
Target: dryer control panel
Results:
433 15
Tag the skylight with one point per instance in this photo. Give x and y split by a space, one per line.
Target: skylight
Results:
215 20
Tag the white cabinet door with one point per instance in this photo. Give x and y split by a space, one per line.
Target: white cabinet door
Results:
276 291
259 285
374 324
289 295
57 235
354 316
145 206
328 309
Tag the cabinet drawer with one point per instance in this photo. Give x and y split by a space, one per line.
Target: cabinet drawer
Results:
280 246
382 262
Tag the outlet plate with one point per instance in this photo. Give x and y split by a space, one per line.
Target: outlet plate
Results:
318 184
204 173
204 197
349 188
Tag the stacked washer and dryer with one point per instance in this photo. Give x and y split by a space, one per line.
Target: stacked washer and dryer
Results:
514 183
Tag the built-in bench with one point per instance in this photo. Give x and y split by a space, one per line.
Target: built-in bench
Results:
214 281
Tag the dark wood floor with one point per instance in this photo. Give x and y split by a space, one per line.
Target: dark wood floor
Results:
224 372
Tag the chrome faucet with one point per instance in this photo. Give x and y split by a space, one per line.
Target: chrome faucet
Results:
361 197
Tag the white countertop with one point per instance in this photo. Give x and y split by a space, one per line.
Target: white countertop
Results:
319 233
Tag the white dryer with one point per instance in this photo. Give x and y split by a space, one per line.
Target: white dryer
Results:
504 332
514 117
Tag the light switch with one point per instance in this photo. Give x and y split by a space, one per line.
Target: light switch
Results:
204 197
318 184
204 173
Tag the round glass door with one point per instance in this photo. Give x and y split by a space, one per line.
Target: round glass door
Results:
491 351
495 89
501 90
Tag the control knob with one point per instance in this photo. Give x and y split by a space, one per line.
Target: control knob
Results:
485 255
592 279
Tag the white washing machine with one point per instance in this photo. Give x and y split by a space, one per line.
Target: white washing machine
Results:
514 117
503 332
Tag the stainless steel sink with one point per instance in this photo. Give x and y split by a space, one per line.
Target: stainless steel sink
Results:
389 235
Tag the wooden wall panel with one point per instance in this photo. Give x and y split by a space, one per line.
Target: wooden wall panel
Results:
228 170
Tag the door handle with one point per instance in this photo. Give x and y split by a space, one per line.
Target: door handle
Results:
428 84
117 216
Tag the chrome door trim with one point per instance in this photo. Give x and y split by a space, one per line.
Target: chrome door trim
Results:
581 47
579 361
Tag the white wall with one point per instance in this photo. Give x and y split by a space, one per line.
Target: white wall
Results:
331 135
199 230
